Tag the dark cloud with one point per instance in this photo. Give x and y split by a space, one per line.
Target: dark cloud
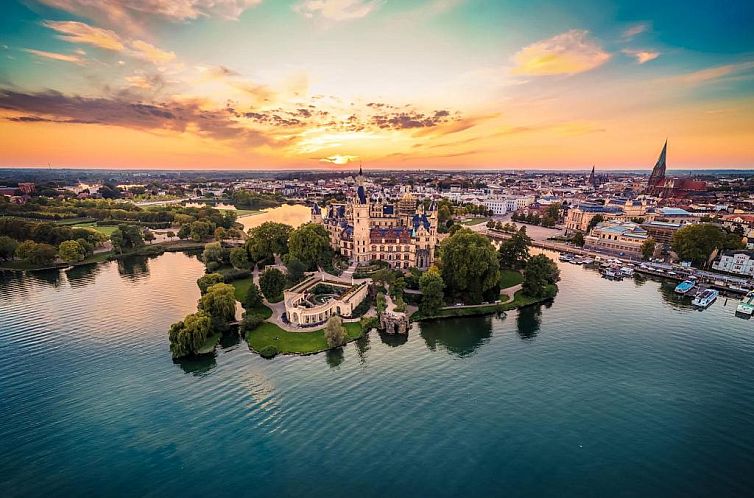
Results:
410 119
119 110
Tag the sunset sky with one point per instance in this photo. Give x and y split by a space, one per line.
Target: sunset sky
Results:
467 84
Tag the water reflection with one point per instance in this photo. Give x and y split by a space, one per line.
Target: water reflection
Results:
362 347
81 275
50 277
393 340
198 366
459 336
667 291
230 339
335 357
528 321
134 267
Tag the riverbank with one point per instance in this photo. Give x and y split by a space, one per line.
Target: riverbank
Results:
520 300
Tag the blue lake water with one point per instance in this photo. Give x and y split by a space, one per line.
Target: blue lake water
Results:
615 389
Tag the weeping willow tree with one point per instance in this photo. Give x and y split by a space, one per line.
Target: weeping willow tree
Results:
188 335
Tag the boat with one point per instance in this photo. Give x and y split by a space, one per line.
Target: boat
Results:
685 286
746 307
612 274
588 261
567 257
578 260
705 298
627 271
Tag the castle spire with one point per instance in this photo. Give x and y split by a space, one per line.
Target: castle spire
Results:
592 179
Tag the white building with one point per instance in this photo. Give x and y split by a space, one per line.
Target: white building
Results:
740 262
502 205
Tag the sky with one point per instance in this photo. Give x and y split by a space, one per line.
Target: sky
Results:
398 84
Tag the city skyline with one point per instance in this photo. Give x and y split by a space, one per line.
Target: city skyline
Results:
430 84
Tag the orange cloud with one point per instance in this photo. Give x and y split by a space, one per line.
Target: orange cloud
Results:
79 32
571 52
642 56
713 73
149 52
56 56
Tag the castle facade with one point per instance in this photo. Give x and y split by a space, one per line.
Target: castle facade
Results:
367 228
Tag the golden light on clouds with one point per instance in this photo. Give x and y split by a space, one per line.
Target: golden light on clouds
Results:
567 53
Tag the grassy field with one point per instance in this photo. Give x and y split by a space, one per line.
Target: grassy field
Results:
509 278
242 287
249 212
269 334
475 221
520 300
106 229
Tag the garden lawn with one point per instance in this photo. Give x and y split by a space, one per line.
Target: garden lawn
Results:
509 278
269 334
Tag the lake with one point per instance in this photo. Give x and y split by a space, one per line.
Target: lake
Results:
290 214
616 388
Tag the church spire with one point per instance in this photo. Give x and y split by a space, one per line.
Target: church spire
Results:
658 172
592 179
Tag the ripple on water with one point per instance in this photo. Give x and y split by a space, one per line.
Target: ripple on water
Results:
614 388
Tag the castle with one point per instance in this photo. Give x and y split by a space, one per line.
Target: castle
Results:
368 228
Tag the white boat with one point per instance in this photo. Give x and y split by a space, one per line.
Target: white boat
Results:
705 298
746 307
567 257
612 274
627 271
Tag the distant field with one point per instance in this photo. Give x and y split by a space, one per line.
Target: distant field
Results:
106 229
475 221
249 212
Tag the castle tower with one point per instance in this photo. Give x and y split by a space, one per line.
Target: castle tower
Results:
361 225
316 213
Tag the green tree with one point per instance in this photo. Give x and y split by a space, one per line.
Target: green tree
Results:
272 282
148 235
578 239
239 258
335 332
469 265
219 302
540 273
253 298
25 249
8 247
647 248
268 239
189 335
310 243
213 251
206 281
250 322
70 251
596 219
296 269
695 243
431 285
127 238
514 252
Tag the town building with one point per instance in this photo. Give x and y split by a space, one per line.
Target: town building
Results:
580 216
619 238
368 228
740 262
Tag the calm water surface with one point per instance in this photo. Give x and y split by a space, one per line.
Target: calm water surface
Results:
290 214
616 389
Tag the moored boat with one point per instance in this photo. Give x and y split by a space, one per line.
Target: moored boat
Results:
705 298
685 286
627 271
746 307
